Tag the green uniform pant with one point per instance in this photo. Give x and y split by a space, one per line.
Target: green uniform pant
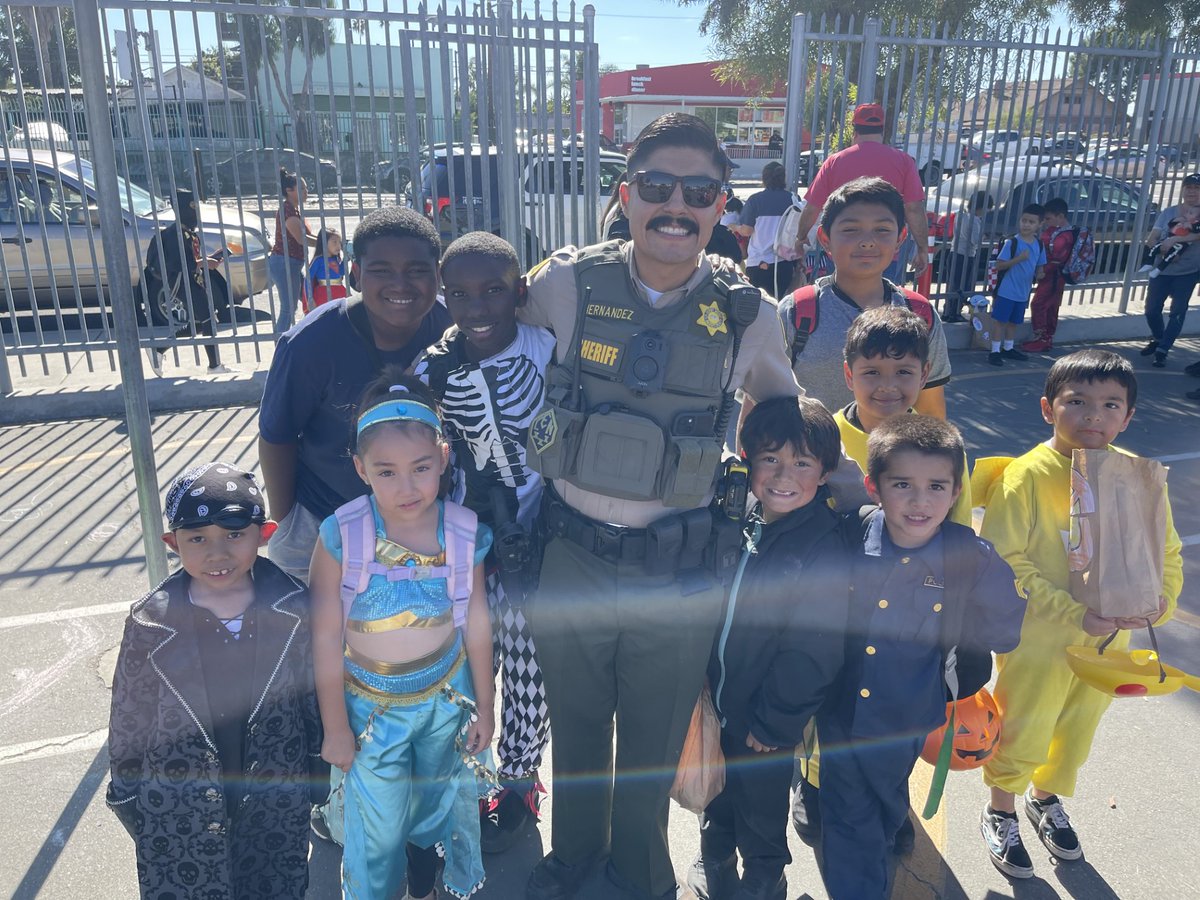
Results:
615 643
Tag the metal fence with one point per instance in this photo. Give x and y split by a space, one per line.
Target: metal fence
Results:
469 114
1108 122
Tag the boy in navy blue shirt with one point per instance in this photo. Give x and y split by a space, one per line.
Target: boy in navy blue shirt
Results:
1021 261
923 591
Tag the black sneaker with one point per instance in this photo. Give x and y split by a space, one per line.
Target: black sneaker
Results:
1053 827
1193 369
1003 837
1149 349
758 886
316 822
1160 361
806 812
713 879
995 359
906 838
1193 395
1014 353
553 879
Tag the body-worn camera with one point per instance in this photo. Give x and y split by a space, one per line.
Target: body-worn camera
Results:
646 362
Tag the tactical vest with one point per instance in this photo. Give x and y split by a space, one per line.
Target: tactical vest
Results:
632 411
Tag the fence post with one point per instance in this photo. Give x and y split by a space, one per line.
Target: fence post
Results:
793 111
511 202
6 383
120 284
591 126
868 63
1165 64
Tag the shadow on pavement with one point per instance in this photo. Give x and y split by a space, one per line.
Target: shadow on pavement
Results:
68 820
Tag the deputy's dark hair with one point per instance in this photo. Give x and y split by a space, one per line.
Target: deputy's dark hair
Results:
1090 366
774 176
482 244
1034 209
868 129
397 222
677 130
918 434
287 180
1057 206
801 422
891 331
863 190
380 390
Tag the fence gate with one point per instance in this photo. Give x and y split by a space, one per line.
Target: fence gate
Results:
467 113
1105 121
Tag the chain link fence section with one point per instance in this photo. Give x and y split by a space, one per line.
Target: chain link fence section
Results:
1108 122
481 117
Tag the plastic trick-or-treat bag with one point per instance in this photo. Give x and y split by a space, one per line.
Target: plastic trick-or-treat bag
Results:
701 773
1118 533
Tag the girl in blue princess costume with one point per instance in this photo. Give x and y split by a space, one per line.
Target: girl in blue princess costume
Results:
402 649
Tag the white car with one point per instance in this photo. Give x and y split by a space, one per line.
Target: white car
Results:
49 231
1126 163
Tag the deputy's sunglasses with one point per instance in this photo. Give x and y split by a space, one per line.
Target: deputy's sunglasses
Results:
699 191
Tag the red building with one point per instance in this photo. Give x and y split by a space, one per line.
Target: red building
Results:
744 116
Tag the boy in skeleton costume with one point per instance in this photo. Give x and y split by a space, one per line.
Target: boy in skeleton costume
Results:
487 373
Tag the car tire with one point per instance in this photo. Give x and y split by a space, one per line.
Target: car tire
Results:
931 174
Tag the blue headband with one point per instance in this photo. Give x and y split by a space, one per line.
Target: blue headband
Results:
400 411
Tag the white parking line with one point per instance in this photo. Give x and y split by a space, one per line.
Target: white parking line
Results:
1191 540
53 746
58 615
1177 457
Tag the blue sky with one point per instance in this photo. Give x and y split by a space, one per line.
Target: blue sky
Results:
629 32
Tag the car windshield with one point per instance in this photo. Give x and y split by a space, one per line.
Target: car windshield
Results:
144 203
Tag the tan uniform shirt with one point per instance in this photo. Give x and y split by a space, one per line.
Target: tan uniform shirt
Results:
763 369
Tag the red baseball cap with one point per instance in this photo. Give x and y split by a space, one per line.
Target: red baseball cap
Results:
869 114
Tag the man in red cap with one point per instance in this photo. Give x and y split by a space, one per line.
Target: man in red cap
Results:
868 156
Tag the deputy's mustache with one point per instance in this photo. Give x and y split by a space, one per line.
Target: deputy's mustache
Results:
660 221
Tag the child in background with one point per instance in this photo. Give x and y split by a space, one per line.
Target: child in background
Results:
486 373
964 247
325 272
402 652
214 735
1021 261
921 588
778 650
1058 239
1050 716
887 363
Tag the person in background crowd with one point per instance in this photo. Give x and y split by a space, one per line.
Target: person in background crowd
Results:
292 238
759 222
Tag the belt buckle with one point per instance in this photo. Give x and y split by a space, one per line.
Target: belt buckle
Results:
608 539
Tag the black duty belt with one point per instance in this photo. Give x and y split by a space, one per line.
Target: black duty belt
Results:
611 543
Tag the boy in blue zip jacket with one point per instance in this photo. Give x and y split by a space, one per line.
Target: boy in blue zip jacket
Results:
779 648
925 593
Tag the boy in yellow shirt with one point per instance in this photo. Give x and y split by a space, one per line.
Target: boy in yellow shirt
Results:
886 367
1050 716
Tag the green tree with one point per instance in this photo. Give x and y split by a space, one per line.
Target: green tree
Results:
37 29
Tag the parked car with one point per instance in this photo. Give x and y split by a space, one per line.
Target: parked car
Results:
1065 143
936 154
809 162
254 173
1106 205
998 143
456 207
40 136
392 175
1127 163
48 232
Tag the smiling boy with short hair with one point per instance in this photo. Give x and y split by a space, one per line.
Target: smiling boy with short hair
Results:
487 374
924 590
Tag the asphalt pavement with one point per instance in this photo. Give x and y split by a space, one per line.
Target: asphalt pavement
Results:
71 562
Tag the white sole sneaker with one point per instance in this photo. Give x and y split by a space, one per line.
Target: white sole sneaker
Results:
1035 817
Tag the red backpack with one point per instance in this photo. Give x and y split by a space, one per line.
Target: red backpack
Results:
806 311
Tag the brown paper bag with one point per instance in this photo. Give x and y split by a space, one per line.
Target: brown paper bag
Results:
1118 533
701 773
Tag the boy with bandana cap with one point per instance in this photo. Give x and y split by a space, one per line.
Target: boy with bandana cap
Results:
214 734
